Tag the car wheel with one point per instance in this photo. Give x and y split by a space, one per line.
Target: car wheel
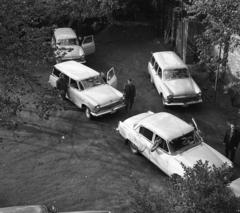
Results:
133 148
88 113
163 102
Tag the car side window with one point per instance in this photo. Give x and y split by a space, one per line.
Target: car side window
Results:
152 60
156 67
73 84
56 72
163 145
146 133
160 72
81 86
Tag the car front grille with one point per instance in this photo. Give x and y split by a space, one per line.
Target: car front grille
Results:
110 106
184 99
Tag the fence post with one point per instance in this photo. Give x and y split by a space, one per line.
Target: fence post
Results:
217 74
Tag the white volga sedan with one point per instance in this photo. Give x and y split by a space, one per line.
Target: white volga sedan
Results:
172 79
166 141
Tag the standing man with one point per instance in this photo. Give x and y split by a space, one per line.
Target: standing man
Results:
62 86
231 141
130 93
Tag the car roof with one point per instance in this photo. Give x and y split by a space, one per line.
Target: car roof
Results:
169 60
76 70
64 33
25 209
166 125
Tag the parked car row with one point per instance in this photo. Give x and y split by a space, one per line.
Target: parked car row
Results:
178 141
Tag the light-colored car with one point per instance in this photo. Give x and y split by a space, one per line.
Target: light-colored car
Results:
87 89
235 186
180 142
39 209
67 47
172 79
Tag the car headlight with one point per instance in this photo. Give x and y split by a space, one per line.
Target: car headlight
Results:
230 165
169 97
82 57
199 95
122 99
97 107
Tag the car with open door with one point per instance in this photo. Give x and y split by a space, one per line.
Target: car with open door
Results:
167 141
87 89
67 46
172 79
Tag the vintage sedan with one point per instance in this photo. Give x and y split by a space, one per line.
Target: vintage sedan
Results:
67 46
87 89
40 209
172 79
180 142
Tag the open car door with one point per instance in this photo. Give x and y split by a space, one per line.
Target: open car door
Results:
88 45
197 129
111 78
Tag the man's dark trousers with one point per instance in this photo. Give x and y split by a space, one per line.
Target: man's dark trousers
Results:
231 142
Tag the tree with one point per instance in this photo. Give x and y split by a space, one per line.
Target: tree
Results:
220 18
202 189
26 27
21 38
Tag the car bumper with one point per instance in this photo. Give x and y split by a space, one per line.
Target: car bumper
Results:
183 103
74 59
109 111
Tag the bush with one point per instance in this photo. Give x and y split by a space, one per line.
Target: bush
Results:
203 188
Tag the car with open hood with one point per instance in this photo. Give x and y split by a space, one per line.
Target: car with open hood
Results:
172 79
67 45
87 89
40 209
180 142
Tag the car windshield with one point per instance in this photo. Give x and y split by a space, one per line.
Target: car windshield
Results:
71 41
175 74
184 143
92 82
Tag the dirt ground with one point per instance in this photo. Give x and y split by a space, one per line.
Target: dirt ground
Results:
77 164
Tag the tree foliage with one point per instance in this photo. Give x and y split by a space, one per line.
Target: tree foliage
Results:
220 18
26 27
202 189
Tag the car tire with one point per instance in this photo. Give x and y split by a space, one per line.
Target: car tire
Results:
133 148
163 102
88 113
